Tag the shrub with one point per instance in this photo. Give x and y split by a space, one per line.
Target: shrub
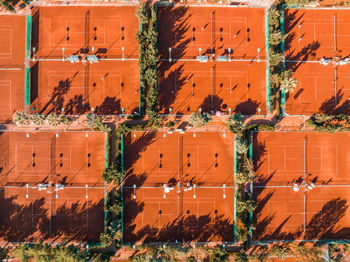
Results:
54 120
280 251
198 120
91 120
37 119
67 120
20 118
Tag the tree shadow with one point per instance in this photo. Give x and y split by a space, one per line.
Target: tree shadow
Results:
133 148
213 103
188 227
323 225
78 221
110 106
172 29
248 107
290 22
302 56
336 105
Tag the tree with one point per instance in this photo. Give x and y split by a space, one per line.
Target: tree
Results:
245 206
112 173
274 17
242 147
236 124
287 82
198 120
243 177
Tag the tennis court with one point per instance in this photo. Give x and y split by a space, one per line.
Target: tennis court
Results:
302 187
211 58
51 186
110 87
177 184
215 30
218 86
110 31
320 87
313 34
12 71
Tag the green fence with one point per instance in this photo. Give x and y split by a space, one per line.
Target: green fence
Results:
28 44
235 197
121 184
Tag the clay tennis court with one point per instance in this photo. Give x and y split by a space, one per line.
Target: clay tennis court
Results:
200 173
313 33
12 71
51 186
110 87
78 29
231 78
283 159
320 88
217 86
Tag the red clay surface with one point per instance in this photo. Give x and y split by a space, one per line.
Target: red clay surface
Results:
279 159
151 160
107 29
316 91
213 86
311 33
187 28
185 85
71 159
106 86
12 72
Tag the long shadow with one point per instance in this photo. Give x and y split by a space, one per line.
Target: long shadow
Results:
290 22
78 221
323 225
187 227
303 55
35 29
132 152
172 28
55 103
336 105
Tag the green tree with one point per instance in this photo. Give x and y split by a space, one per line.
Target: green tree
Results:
198 120
236 124
242 147
112 173
287 82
